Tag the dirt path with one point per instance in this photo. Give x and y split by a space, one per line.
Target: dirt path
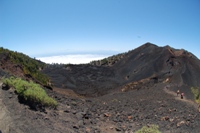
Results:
6 121
190 102
4 118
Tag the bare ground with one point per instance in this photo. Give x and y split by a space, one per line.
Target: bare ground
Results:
117 112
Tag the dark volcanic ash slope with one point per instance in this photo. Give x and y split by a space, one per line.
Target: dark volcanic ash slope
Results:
159 62
141 67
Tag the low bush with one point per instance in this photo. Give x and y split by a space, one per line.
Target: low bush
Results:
151 129
30 92
196 93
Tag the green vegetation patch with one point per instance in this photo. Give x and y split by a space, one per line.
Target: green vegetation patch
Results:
30 92
196 93
151 129
30 66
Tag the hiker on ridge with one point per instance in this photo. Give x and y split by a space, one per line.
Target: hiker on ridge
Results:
178 92
182 94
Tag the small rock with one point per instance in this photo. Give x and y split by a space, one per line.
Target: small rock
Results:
171 120
5 87
73 103
80 123
89 101
75 127
180 123
115 120
46 118
107 115
101 117
165 118
111 127
130 117
85 110
10 96
74 112
88 130
66 111
79 115
118 129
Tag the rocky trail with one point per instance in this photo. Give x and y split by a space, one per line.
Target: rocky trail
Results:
5 118
185 99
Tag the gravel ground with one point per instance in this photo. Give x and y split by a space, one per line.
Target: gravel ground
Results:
118 112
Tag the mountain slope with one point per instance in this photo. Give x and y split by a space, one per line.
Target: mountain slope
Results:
160 62
141 67
152 73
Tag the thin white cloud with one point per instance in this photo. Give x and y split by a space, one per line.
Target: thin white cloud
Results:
72 59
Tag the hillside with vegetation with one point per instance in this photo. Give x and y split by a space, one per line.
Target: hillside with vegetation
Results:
12 62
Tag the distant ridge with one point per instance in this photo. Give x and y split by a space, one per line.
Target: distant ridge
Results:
144 66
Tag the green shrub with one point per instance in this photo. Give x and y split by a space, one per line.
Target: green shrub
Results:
196 93
151 129
30 91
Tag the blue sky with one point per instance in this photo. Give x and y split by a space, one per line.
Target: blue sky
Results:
40 28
